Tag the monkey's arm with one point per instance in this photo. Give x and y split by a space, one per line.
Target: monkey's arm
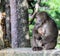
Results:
49 35
36 35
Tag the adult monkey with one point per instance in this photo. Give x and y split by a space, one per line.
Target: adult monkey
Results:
45 31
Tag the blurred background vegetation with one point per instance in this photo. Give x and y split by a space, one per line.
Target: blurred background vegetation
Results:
52 7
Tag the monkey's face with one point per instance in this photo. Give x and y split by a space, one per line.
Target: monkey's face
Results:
38 18
41 17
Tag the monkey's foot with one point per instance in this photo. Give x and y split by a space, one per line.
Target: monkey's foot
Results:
37 48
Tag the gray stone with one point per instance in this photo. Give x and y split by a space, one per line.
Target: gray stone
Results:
29 52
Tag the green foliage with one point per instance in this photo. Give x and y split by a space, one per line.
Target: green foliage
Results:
58 46
30 11
54 10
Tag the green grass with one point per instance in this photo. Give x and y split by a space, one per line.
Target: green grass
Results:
58 42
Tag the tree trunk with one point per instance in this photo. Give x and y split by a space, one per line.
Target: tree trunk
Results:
7 21
23 34
19 23
14 31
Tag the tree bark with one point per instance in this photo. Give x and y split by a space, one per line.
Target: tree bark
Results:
23 34
14 31
7 21
19 23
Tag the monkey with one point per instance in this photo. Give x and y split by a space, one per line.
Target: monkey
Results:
45 32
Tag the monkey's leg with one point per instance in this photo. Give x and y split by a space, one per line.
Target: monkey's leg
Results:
33 43
36 46
50 45
35 40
